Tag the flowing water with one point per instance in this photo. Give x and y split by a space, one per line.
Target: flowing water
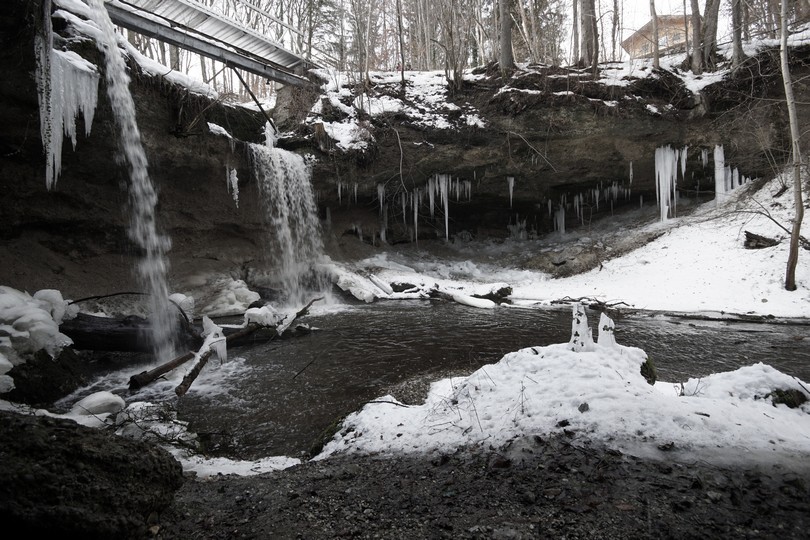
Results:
153 265
288 392
292 220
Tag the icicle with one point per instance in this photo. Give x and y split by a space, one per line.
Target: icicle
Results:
416 215
666 175
67 85
340 193
735 178
559 219
403 200
704 156
443 179
683 162
719 175
384 224
631 173
431 193
510 181
355 193
233 184
381 196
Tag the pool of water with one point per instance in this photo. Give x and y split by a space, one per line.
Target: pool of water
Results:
291 391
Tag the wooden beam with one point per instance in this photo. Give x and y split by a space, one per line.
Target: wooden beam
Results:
181 39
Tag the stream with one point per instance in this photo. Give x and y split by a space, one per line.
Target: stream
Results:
288 393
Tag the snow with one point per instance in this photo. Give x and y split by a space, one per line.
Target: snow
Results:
596 392
232 297
29 324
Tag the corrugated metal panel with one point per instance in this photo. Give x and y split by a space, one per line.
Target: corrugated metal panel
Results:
200 19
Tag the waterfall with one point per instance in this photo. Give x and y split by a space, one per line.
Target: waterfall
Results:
153 266
289 206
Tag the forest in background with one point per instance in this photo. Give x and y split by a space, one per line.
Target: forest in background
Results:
453 35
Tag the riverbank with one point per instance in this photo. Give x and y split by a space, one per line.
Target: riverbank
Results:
550 487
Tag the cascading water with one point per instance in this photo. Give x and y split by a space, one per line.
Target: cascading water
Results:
153 266
289 206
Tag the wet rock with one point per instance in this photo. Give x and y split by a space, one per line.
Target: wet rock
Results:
82 482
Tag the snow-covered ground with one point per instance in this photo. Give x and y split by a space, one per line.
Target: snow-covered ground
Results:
697 264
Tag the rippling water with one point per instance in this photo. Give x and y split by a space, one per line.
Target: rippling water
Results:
292 390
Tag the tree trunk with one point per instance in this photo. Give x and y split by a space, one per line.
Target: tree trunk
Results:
575 34
656 51
710 34
697 39
736 33
401 44
793 255
506 61
589 50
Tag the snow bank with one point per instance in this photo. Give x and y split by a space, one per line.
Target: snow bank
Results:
230 297
596 392
31 323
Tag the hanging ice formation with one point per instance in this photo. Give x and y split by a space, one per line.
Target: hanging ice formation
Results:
631 173
510 182
559 219
233 184
381 196
67 85
704 156
153 267
289 206
719 174
666 178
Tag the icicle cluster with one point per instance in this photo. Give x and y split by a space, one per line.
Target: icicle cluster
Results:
67 85
667 160
233 184
510 182
726 178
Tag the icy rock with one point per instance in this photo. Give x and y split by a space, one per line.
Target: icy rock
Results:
99 403
606 337
581 339
264 316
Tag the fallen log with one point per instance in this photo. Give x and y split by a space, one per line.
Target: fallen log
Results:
183 387
145 377
127 334
142 379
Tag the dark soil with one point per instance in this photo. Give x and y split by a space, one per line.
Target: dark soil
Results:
539 488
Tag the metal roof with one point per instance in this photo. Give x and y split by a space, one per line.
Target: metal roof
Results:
191 25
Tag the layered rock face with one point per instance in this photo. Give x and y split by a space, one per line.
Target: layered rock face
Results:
555 133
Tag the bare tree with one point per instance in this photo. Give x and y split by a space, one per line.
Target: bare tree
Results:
793 255
709 41
589 50
506 60
656 50
697 39
736 33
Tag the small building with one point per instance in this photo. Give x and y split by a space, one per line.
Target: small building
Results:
671 37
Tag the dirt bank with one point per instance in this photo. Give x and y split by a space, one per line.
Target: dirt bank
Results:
538 488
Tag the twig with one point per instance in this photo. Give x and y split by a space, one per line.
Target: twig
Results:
390 403
539 153
302 369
